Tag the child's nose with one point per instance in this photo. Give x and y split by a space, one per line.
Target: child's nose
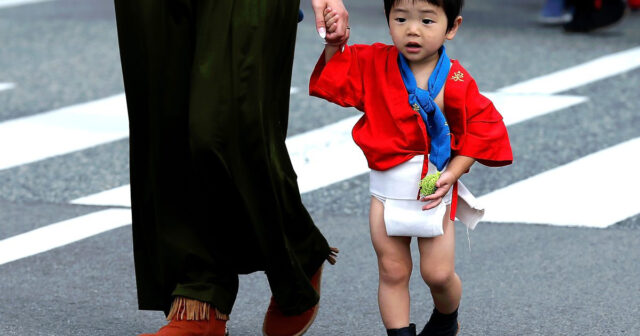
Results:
413 29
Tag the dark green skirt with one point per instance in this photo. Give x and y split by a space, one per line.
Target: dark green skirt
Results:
213 191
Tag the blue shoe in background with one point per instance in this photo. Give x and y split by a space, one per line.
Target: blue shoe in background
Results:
554 12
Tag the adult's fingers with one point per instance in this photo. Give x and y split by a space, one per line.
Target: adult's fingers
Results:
318 9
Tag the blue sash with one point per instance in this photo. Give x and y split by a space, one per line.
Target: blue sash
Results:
422 102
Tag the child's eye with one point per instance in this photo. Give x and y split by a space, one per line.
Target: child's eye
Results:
427 21
401 19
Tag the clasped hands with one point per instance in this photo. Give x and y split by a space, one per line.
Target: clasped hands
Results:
332 21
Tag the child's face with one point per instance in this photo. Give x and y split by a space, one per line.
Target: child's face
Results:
418 29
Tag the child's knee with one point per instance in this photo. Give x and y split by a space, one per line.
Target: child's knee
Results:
394 272
438 278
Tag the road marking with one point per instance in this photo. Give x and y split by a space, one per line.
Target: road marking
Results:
328 155
580 193
62 131
580 75
517 103
6 86
120 196
62 233
13 3
516 108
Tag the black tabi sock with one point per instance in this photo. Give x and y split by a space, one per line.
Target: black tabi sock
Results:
441 324
443 319
406 331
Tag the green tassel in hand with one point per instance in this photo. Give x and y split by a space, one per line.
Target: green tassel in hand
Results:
428 184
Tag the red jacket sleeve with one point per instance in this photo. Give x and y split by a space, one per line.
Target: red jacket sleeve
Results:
487 139
477 127
340 80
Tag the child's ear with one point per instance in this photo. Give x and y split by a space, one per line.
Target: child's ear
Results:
454 29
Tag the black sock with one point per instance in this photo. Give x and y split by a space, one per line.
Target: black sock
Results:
406 331
441 324
445 319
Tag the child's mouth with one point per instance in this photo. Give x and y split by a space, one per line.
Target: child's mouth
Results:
412 47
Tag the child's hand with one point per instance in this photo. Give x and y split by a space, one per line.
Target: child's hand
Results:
332 21
341 33
445 182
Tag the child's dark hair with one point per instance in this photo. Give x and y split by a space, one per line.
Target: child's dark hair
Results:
452 8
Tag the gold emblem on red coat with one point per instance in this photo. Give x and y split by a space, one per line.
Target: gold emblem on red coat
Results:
416 107
458 76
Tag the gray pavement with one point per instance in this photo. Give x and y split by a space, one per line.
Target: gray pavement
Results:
518 279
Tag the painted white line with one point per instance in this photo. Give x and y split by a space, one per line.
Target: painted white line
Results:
120 196
580 193
583 74
62 233
13 3
6 86
59 133
517 108
62 131
328 154
320 157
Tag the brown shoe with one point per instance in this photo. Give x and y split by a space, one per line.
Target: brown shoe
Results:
192 318
278 324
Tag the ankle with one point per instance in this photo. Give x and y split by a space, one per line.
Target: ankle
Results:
442 317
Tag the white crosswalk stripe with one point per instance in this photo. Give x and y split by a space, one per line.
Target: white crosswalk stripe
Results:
14 3
62 233
6 86
63 131
320 157
580 75
580 193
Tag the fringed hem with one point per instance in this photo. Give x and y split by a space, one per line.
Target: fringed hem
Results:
333 254
192 310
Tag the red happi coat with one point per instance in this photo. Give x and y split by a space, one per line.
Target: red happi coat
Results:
390 132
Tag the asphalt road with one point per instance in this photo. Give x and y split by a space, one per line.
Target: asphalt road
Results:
518 279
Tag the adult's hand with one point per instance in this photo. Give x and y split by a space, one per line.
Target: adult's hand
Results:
341 34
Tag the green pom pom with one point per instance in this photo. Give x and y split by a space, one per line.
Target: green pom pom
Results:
428 184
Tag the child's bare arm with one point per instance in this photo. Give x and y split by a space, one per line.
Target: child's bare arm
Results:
458 165
332 20
329 51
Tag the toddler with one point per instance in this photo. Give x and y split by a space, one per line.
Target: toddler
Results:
423 115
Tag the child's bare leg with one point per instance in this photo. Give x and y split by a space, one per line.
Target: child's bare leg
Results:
437 267
394 267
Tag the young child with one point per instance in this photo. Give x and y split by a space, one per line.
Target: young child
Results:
422 113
